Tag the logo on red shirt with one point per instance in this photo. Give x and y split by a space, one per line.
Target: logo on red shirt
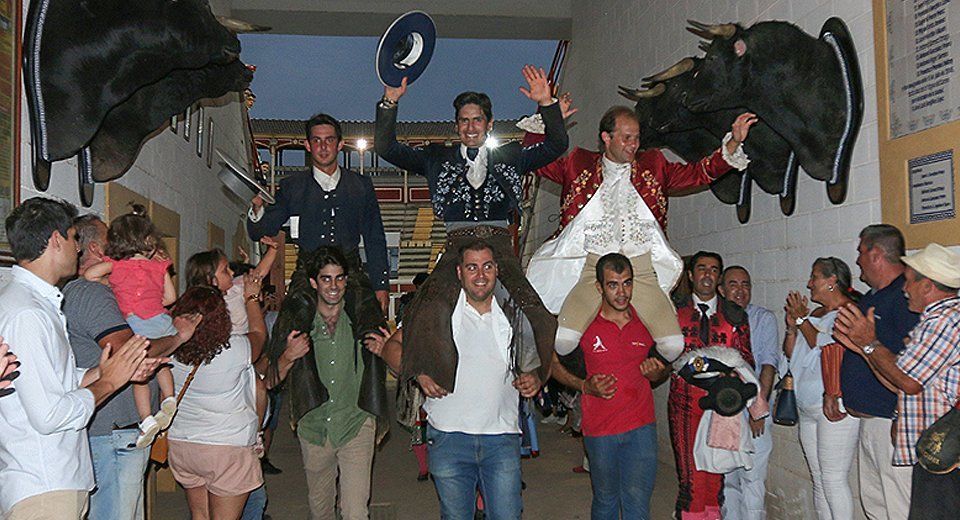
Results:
598 345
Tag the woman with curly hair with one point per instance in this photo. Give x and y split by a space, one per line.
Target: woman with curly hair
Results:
212 439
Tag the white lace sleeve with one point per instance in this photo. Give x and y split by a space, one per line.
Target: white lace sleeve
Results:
532 124
738 159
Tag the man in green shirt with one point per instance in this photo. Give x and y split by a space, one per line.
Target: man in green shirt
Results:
338 434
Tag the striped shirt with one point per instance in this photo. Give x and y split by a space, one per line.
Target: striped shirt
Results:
932 359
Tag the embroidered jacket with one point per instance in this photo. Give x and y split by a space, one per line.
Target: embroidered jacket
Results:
581 172
454 199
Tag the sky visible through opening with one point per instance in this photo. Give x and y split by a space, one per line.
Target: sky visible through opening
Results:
298 76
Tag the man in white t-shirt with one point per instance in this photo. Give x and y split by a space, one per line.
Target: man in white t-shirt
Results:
473 432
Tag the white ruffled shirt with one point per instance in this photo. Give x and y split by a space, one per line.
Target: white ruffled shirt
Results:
615 220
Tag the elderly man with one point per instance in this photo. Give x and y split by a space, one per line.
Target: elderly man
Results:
473 432
475 189
744 489
46 471
94 321
925 375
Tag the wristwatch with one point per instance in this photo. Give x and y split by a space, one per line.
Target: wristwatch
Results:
868 349
799 321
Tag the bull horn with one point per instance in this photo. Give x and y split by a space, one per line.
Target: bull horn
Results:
239 26
634 94
678 68
723 30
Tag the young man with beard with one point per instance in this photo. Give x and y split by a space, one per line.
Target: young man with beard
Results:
706 319
473 432
619 428
476 190
335 420
744 489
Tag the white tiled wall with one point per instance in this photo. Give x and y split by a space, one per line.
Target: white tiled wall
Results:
617 43
167 171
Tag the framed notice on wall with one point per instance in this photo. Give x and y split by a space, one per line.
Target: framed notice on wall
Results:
9 116
917 50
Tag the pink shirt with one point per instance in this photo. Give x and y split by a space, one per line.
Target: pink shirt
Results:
608 349
138 285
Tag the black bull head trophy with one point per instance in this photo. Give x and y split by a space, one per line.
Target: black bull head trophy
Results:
102 75
807 92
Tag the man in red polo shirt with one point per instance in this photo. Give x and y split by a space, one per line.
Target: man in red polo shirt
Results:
619 431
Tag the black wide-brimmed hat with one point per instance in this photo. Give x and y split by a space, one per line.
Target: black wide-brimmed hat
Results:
405 48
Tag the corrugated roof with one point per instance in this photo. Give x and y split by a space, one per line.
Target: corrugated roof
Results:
407 130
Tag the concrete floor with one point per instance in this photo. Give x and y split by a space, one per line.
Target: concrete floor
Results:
553 490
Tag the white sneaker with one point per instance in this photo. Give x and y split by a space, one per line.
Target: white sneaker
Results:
148 432
168 408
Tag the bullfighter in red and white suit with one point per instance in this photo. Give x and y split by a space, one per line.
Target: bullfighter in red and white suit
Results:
615 201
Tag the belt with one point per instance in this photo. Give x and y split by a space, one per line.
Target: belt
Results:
479 232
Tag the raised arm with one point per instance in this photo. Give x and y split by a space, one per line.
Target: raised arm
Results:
269 257
266 221
385 138
679 177
555 140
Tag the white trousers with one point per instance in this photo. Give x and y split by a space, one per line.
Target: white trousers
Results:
829 448
884 488
744 489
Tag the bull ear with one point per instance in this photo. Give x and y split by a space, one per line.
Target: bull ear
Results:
239 26
740 48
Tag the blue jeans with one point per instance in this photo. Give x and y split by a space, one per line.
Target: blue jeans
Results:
256 504
119 473
623 468
461 462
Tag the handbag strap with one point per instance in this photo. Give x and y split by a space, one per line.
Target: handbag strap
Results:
187 383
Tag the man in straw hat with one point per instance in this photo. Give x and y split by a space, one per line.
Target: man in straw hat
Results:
926 374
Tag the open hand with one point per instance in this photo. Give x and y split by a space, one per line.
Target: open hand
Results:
8 368
854 329
741 126
540 90
566 105
121 367
186 325
374 341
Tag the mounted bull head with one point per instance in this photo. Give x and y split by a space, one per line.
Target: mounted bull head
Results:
795 83
770 155
83 58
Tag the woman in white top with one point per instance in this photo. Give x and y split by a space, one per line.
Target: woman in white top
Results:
828 446
212 438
